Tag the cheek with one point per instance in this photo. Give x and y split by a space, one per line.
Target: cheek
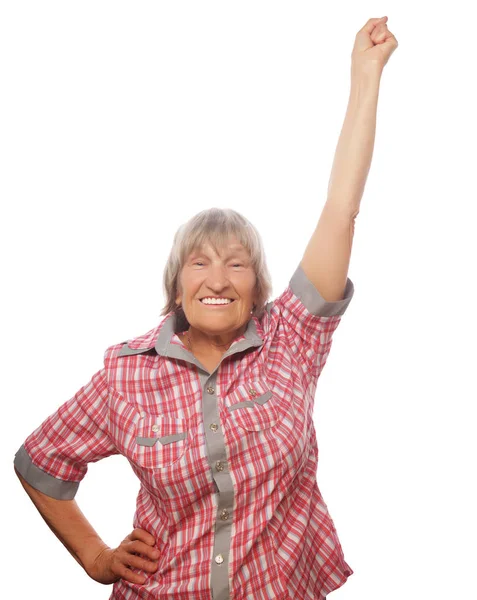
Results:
189 287
247 299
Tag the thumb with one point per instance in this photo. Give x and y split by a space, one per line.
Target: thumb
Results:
371 24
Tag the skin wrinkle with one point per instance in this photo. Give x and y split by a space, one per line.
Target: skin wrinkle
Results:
227 274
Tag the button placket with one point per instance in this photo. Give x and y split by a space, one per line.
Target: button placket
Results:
223 487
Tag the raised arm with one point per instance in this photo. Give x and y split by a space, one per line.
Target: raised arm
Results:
327 256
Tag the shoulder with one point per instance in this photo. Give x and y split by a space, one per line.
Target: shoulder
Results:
137 345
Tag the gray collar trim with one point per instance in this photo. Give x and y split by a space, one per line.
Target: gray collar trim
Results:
164 347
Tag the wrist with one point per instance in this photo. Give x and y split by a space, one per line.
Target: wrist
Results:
366 73
88 555
364 88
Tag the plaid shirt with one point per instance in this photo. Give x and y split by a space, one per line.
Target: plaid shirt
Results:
227 460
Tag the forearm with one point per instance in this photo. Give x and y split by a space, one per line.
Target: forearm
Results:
68 523
355 145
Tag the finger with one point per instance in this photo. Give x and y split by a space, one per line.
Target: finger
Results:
142 549
380 34
371 24
143 535
129 575
133 561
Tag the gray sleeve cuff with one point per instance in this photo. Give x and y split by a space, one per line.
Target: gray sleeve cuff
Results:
42 481
302 287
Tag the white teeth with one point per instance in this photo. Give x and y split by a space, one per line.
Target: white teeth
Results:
211 301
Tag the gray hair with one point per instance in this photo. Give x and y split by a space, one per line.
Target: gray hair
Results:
215 225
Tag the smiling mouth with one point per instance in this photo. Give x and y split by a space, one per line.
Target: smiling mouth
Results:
218 303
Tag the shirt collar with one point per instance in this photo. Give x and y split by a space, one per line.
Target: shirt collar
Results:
161 338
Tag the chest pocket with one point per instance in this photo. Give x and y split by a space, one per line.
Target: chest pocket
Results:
160 440
255 407
252 406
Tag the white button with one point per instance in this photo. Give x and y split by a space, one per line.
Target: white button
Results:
155 427
219 559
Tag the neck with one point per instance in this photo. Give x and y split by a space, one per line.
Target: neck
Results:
219 342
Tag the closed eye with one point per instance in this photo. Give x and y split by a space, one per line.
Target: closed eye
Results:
198 262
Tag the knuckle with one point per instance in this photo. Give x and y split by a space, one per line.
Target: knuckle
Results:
146 536
148 565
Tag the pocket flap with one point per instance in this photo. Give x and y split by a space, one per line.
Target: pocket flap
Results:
165 439
160 440
252 406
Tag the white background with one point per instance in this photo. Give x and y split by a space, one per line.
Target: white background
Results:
120 121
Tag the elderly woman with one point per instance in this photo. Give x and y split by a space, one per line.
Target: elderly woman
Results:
213 407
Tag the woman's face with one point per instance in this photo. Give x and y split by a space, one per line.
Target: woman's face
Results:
228 274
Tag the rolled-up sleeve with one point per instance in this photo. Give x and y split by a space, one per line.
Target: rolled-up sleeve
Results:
309 320
54 457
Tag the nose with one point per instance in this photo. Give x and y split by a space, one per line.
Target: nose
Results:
217 278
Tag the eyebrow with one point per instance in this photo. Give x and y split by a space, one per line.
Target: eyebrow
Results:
241 251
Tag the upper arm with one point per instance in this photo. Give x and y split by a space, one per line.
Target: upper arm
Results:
53 459
327 255
309 320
